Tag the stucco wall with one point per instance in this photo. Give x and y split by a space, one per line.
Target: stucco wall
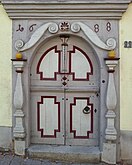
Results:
5 69
126 85
126 70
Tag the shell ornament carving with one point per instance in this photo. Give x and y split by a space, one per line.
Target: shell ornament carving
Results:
64 26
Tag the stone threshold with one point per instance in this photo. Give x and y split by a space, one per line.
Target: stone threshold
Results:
74 154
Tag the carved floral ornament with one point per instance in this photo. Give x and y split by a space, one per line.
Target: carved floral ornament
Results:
65 26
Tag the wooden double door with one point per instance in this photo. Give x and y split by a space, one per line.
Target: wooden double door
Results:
65 93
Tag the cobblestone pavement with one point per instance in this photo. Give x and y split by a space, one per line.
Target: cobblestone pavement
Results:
10 159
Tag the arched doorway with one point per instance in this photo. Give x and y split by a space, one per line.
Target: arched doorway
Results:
65 93
99 29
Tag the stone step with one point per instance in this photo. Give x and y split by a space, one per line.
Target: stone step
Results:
73 154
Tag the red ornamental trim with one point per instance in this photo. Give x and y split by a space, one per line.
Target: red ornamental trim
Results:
42 77
74 131
59 64
38 117
89 61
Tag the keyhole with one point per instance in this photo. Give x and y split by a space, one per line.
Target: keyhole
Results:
95 110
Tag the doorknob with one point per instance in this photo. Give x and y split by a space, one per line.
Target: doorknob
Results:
86 110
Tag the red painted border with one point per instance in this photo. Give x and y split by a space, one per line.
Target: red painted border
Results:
42 57
74 131
70 63
38 117
59 64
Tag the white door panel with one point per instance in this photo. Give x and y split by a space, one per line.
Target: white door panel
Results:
47 112
83 127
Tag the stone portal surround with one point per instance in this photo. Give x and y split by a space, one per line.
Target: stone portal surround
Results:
19 130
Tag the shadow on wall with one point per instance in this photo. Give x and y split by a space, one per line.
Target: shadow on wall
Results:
6 138
126 146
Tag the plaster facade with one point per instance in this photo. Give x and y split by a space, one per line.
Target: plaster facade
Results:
126 86
5 81
6 67
125 70
125 76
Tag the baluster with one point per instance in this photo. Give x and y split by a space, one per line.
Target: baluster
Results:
109 148
19 130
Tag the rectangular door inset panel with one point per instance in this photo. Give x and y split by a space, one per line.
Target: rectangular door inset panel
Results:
48 65
81 117
48 116
80 64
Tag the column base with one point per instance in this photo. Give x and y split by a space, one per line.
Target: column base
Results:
111 137
109 153
19 147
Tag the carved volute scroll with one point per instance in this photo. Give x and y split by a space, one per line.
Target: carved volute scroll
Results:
75 28
52 27
93 37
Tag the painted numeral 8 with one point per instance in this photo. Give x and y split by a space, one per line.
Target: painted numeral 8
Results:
96 28
108 26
